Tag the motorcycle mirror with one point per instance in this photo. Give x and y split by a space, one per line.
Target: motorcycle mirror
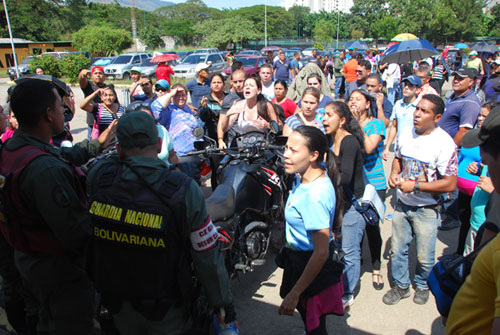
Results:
274 127
198 132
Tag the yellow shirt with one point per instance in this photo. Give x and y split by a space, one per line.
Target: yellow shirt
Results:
475 64
477 302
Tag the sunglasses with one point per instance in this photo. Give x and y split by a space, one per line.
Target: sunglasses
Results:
161 89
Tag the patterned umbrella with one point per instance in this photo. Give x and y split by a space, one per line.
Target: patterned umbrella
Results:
403 37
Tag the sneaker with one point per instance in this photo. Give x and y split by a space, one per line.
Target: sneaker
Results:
396 293
421 296
347 301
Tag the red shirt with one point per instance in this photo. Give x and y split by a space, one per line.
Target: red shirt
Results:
288 106
163 71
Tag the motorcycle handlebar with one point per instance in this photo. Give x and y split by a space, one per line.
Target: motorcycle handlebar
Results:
236 151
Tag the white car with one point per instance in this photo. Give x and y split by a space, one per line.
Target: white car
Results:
120 67
186 68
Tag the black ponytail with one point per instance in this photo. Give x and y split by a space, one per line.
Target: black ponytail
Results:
351 124
317 141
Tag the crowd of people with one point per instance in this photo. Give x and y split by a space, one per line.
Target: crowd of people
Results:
337 144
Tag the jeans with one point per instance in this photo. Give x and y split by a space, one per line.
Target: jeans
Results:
353 226
392 92
423 223
338 85
449 211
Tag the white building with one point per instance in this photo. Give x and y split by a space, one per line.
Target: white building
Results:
317 5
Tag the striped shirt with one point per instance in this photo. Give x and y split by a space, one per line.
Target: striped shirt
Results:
293 122
105 116
373 166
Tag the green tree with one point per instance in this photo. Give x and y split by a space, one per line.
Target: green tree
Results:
385 28
365 12
443 24
195 10
151 36
356 34
71 66
413 15
183 30
49 64
279 21
220 33
469 14
101 40
299 14
323 31
495 18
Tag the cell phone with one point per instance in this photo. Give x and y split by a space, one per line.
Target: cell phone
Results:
479 169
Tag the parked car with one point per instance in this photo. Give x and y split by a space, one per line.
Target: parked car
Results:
85 53
148 69
208 50
102 61
23 68
272 48
251 64
121 65
308 51
182 55
55 54
289 53
186 68
249 52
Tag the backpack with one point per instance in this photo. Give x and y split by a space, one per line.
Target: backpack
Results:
448 275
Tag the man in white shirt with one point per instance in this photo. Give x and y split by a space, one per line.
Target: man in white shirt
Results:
425 166
266 76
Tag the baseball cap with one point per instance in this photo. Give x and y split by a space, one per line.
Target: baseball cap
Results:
97 67
464 73
473 53
414 80
136 123
351 48
201 66
488 133
136 69
163 84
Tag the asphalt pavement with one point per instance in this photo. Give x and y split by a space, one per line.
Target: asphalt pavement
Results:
256 293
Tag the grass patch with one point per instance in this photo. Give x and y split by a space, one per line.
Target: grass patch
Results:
3 74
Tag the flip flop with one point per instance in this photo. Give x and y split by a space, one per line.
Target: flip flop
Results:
377 284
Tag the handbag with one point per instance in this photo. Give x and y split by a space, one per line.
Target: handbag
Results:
371 207
447 276
95 128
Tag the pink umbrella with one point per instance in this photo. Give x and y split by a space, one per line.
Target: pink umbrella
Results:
164 58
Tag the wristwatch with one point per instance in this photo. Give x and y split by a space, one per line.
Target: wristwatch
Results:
416 188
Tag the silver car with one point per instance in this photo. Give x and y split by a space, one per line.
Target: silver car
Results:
24 68
120 67
188 65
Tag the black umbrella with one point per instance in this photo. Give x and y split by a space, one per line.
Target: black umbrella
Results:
57 82
484 47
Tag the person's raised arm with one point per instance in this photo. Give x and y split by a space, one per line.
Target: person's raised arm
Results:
458 137
165 99
86 103
390 138
82 78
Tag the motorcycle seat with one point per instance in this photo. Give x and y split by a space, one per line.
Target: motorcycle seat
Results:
220 204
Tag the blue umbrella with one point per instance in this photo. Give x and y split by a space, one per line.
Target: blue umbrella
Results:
409 51
356 45
460 46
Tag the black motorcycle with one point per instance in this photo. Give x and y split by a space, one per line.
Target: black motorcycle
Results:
247 206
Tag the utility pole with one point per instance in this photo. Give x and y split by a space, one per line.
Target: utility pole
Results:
265 23
338 22
11 38
134 27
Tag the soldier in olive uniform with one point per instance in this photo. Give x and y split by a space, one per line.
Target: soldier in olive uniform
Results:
149 223
45 207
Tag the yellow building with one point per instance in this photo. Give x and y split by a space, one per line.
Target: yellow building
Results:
26 48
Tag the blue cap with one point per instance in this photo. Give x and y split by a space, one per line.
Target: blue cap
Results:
163 83
414 80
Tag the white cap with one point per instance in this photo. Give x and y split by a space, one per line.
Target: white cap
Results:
201 66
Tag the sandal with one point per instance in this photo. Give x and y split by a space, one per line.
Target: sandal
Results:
377 281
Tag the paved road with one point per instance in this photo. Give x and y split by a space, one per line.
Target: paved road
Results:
257 293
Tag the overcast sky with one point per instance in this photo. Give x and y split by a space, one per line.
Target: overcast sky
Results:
236 3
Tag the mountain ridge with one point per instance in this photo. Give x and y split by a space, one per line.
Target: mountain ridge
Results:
147 5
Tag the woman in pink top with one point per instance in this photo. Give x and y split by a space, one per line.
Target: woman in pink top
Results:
12 127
